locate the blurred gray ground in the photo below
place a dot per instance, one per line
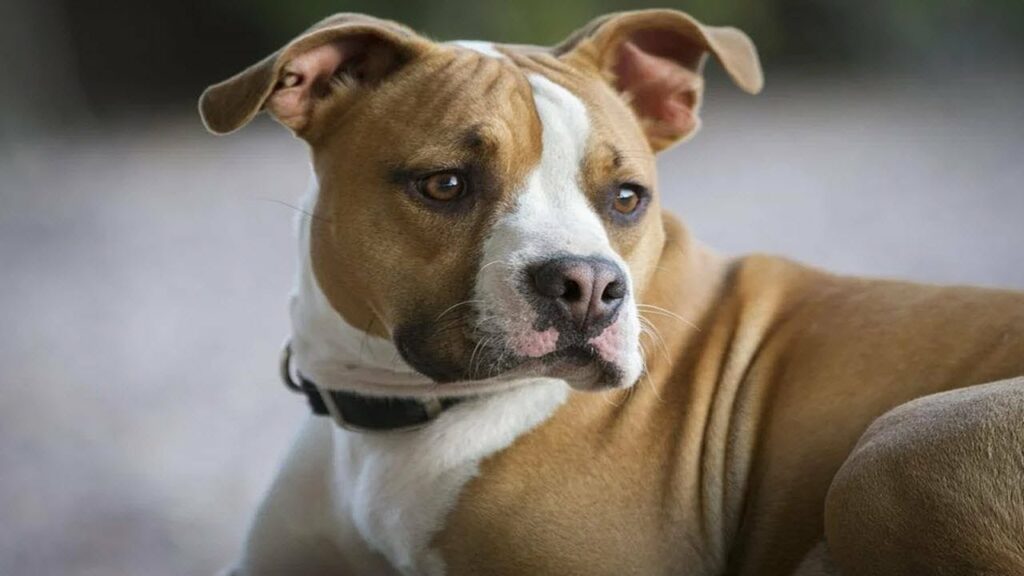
(145, 273)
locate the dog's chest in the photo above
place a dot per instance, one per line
(397, 488)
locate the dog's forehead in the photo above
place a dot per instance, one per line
(578, 102)
(531, 61)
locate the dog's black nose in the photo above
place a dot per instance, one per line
(584, 291)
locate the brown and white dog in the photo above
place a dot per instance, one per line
(484, 224)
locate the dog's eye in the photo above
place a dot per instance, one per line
(442, 187)
(627, 203)
(627, 200)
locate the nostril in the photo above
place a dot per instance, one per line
(572, 291)
(549, 281)
(615, 290)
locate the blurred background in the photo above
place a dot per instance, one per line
(146, 264)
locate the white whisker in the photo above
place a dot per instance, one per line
(650, 308)
(453, 307)
(492, 263)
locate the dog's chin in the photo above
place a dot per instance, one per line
(582, 368)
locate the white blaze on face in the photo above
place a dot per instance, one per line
(552, 217)
(485, 48)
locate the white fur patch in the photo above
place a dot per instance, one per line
(552, 216)
(485, 48)
(400, 487)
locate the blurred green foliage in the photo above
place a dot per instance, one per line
(794, 32)
(523, 21)
(177, 47)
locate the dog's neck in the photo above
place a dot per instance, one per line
(689, 278)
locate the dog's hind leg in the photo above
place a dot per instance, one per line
(935, 486)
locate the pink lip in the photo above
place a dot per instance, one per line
(534, 344)
(609, 343)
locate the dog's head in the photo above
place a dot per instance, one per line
(492, 210)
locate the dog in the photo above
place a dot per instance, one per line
(519, 364)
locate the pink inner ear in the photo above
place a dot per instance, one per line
(661, 91)
(292, 99)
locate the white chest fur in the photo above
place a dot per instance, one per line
(397, 488)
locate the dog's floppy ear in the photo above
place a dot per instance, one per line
(345, 50)
(654, 58)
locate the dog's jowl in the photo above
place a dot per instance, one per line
(519, 364)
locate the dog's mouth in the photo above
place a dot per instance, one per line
(483, 361)
(582, 367)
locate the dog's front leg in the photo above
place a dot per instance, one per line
(935, 486)
(299, 528)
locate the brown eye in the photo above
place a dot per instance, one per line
(626, 200)
(443, 186)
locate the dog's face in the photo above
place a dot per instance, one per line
(492, 210)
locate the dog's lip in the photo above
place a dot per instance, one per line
(574, 352)
(566, 363)
(578, 353)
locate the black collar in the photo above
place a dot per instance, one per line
(360, 413)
